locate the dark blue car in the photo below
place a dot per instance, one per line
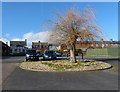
(31, 54)
(49, 55)
(58, 53)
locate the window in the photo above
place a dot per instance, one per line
(15, 49)
(106, 44)
(96, 45)
(91, 44)
(19, 50)
(102, 45)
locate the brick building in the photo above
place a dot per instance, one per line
(96, 44)
(40, 45)
(79, 45)
(91, 44)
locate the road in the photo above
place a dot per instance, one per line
(9, 64)
(15, 78)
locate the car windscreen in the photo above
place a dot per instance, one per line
(31, 51)
(49, 52)
(58, 52)
(38, 52)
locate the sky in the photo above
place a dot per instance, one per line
(27, 20)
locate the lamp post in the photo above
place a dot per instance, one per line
(83, 50)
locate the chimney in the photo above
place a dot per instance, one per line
(101, 40)
(25, 41)
(7, 43)
(111, 40)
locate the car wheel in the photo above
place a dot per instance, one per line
(54, 57)
(26, 60)
(43, 58)
(37, 59)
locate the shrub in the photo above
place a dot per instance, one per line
(91, 47)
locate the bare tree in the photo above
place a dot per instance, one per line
(74, 25)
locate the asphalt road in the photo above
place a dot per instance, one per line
(15, 78)
(9, 64)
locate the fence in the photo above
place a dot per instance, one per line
(114, 52)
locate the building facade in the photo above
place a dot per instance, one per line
(91, 44)
(40, 45)
(18, 47)
(96, 44)
(79, 45)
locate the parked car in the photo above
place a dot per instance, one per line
(58, 53)
(49, 55)
(31, 54)
(40, 54)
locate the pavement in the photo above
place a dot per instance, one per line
(15, 78)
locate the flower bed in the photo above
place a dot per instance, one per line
(64, 65)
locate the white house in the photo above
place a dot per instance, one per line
(18, 47)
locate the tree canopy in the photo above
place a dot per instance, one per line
(75, 25)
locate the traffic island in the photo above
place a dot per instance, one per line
(65, 65)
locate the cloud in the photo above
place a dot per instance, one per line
(16, 39)
(31, 37)
(34, 37)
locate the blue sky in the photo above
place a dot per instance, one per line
(22, 19)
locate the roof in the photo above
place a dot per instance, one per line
(44, 43)
(3, 44)
(35, 43)
(90, 42)
(15, 43)
(39, 43)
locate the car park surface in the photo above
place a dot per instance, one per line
(91, 80)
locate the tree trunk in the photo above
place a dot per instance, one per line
(72, 54)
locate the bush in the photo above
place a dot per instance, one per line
(78, 50)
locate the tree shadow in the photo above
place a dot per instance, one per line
(62, 58)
